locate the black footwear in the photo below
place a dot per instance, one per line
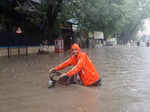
(97, 83)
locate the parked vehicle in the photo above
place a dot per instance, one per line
(111, 42)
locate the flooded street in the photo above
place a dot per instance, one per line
(125, 86)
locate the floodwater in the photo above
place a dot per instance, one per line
(125, 86)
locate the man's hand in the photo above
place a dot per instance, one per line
(62, 75)
(52, 70)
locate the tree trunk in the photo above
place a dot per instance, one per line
(54, 6)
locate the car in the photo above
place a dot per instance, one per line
(110, 43)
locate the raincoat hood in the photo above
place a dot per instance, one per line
(75, 46)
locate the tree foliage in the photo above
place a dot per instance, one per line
(121, 17)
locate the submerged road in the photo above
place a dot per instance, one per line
(125, 86)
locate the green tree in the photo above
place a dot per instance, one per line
(101, 15)
(136, 11)
(122, 17)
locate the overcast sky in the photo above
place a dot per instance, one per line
(147, 27)
(146, 30)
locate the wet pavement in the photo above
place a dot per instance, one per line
(125, 86)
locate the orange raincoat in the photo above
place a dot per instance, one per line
(82, 65)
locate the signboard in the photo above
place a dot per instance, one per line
(98, 35)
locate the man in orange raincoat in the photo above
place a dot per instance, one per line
(82, 66)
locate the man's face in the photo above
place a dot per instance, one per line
(75, 52)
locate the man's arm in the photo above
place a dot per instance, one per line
(65, 64)
(77, 68)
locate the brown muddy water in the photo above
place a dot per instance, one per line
(125, 86)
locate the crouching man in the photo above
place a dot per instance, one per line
(82, 66)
